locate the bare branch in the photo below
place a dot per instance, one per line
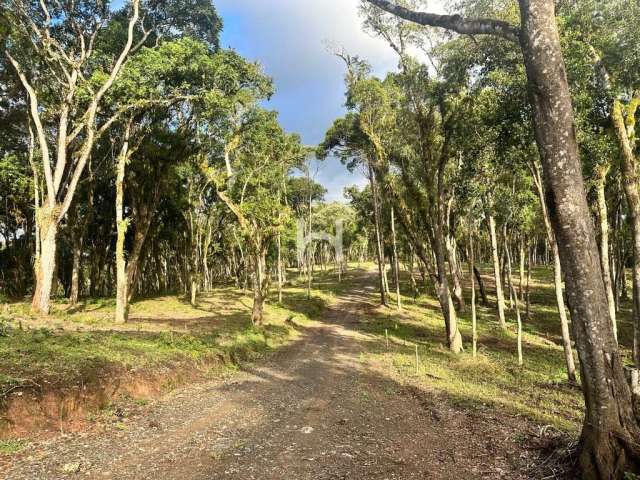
(479, 26)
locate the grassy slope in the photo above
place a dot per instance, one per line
(74, 343)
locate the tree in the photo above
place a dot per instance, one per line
(170, 85)
(610, 431)
(262, 160)
(54, 45)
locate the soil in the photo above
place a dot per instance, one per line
(314, 410)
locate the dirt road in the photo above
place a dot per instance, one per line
(314, 410)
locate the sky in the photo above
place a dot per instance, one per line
(289, 38)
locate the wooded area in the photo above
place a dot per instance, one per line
(137, 160)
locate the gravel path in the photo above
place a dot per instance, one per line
(312, 411)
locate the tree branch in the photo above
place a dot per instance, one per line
(34, 110)
(479, 26)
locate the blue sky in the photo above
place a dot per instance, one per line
(289, 38)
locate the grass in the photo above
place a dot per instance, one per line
(493, 380)
(9, 447)
(75, 344)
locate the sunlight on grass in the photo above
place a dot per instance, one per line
(9, 447)
(76, 343)
(493, 380)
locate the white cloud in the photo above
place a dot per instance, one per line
(289, 38)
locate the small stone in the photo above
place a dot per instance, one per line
(71, 467)
(306, 429)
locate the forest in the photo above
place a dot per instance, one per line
(179, 297)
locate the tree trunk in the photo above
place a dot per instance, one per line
(396, 263)
(47, 266)
(603, 223)
(379, 252)
(259, 284)
(557, 277)
(143, 216)
(122, 225)
(632, 194)
(521, 271)
(444, 293)
(412, 280)
(515, 297)
(527, 290)
(472, 268)
(280, 279)
(610, 433)
(75, 271)
(491, 222)
(483, 292)
(458, 294)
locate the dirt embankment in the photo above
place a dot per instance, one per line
(42, 409)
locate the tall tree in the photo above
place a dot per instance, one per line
(610, 431)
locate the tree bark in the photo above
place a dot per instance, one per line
(122, 225)
(557, 276)
(610, 432)
(75, 271)
(396, 262)
(516, 300)
(457, 293)
(47, 265)
(527, 289)
(472, 268)
(259, 286)
(279, 266)
(491, 223)
(632, 194)
(483, 292)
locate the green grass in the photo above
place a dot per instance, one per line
(493, 380)
(75, 344)
(9, 447)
